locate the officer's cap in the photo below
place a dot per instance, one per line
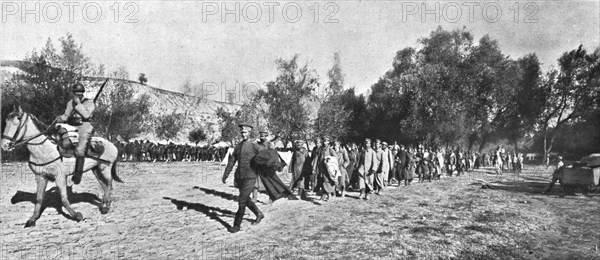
(262, 131)
(245, 126)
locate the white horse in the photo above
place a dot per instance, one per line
(47, 164)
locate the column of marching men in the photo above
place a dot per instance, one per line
(330, 168)
(146, 151)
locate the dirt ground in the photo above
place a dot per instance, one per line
(181, 211)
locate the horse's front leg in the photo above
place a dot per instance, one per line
(103, 175)
(41, 190)
(61, 183)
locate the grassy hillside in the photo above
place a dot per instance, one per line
(198, 111)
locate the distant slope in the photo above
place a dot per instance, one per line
(198, 112)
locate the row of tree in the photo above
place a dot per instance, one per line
(451, 91)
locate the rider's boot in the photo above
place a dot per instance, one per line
(79, 160)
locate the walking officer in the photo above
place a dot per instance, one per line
(244, 176)
(79, 114)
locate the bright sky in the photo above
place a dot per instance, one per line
(171, 41)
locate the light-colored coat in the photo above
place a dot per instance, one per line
(365, 168)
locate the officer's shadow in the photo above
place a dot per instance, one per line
(211, 212)
(221, 194)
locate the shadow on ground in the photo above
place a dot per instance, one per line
(214, 213)
(52, 199)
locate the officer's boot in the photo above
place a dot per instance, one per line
(257, 212)
(79, 160)
(237, 223)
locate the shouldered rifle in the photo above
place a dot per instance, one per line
(100, 91)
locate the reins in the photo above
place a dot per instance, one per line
(26, 141)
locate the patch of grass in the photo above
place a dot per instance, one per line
(452, 218)
(443, 242)
(403, 217)
(427, 230)
(480, 229)
(329, 228)
(386, 233)
(490, 216)
(497, 252)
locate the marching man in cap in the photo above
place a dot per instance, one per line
(244, 177)
(325, 182)
(263, 135)
(79, 113)
(366, 169)
(300, 168)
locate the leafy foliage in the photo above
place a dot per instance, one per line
(50, 79)
(287, 114)
(121, 113)
(453, 92)
(168, 125)
(333, 116)
(251, 113)
(571, 93)
(197, 135)
(45, 88)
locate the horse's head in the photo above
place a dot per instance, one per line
(15, 128)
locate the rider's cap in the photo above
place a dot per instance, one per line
(78, 88)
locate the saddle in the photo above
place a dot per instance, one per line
(68, 139)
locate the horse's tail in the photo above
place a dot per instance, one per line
(113, 172)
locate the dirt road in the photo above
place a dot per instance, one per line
(182, 211)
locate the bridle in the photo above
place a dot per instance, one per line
(23, 125)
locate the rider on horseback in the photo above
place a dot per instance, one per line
(79, 113)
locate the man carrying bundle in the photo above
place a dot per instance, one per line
(245, 177)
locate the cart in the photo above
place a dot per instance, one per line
(583, 175)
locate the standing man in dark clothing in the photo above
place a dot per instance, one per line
(259, 186)
(244, 177)
(300, 168)
(402, 161)
(353, 157)
(314, 156)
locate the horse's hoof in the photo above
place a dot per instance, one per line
(78, 217)
(104, 210)
(30, 223)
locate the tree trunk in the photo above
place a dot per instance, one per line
(483, 143)
(550, 148)
(109, 122)
(546, 151)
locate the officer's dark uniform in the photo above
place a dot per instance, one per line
(79, 115)
(244, 178)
